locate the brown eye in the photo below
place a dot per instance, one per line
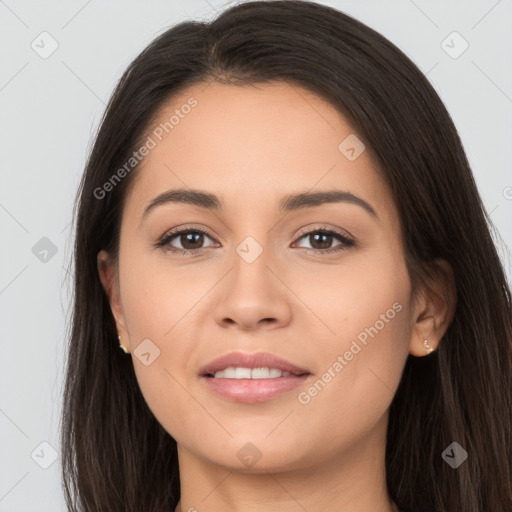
(189, 240)
(192, 241)
(321, 240)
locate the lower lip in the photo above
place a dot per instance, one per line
(251, 391)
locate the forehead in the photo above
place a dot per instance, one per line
(248, 143)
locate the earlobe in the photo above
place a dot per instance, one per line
(424, 344)
(419, 349)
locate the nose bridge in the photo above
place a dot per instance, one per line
(251, 262)
(252, 292)
(251, 249)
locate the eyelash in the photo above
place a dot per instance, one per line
(346, 242)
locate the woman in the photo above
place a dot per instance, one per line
(279, 227)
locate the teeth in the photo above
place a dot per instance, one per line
(242, 373)
(229, 373)
(247, 373)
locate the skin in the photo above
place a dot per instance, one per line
(251, 145)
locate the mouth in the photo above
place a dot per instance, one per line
(251, 378)
(232, 372)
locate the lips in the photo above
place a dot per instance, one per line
(252, 389)
(246, 360)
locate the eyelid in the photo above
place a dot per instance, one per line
(321, 227)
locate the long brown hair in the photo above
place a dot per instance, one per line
(116, 456)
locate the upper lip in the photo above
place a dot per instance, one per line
(248, 360)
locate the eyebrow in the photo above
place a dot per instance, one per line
(288, 203)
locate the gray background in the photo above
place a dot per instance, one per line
(49, 110)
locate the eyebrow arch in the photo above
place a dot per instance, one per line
(294, 202)
(288, 203)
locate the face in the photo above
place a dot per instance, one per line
(319, 283)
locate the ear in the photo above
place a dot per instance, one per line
(108, 273)
(434, 308)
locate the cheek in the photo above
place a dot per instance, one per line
(364, 297)
(161, 306)
(360, 357)
(155, 295)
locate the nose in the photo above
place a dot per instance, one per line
(253, 296)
